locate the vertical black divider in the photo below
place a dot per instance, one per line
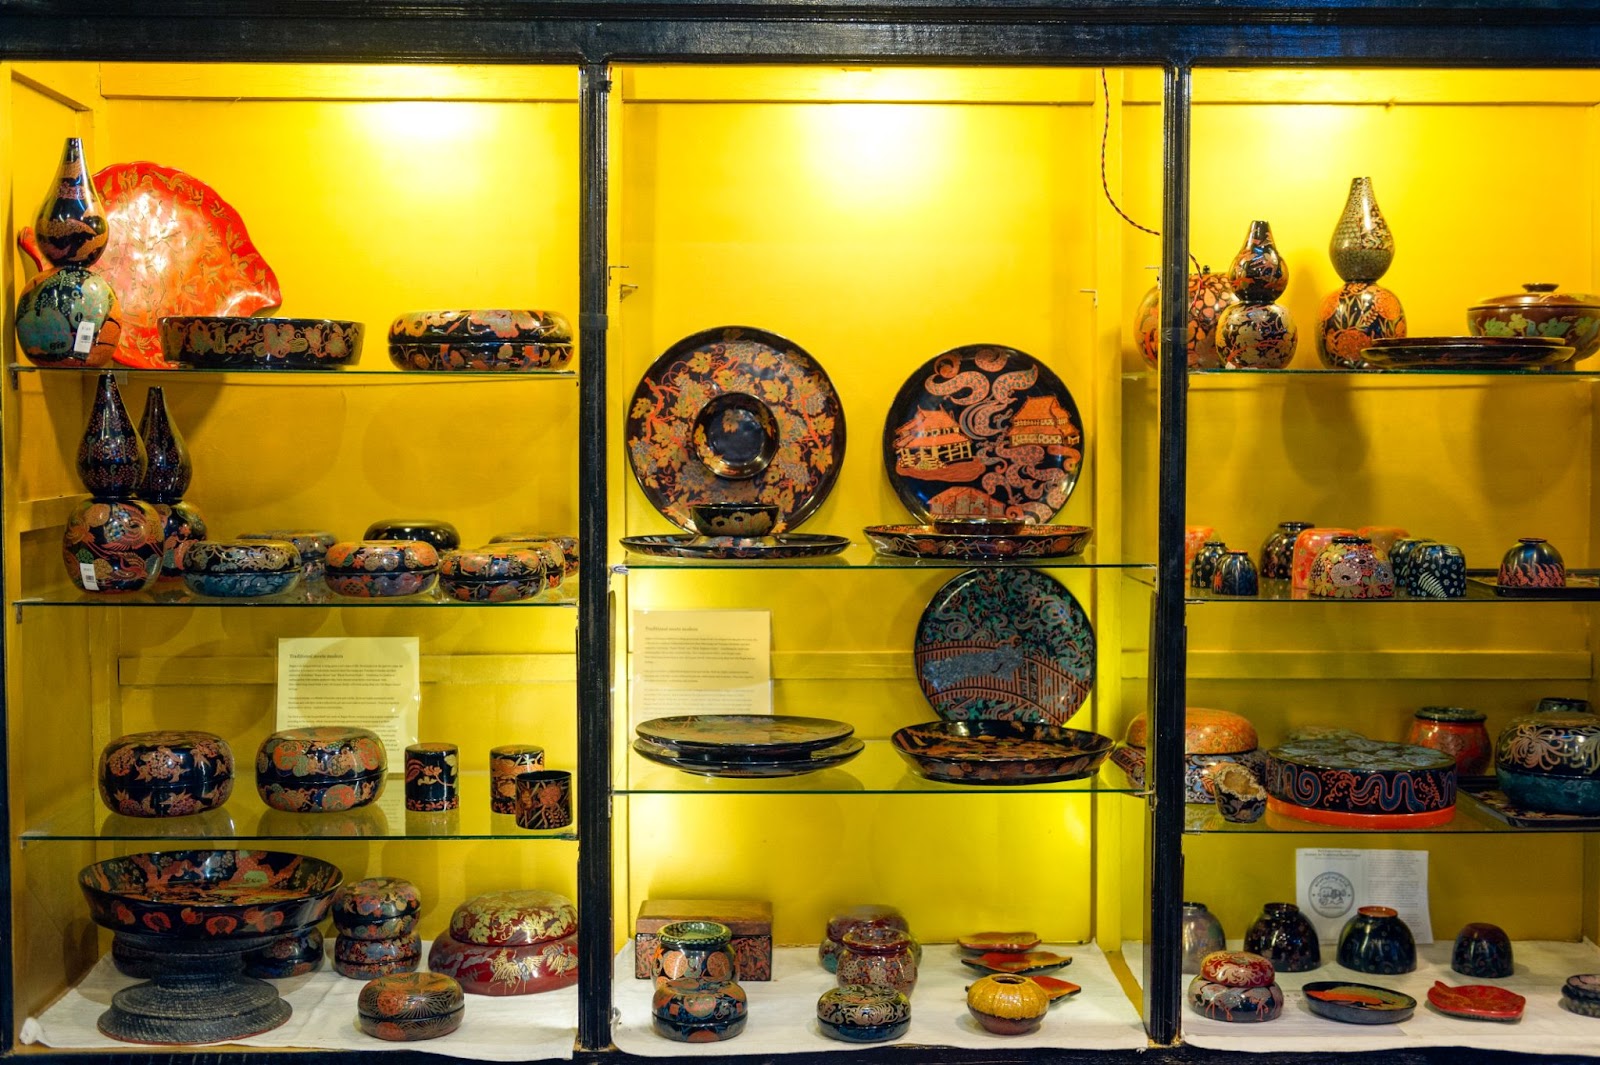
(594, 598)
(1163, 979)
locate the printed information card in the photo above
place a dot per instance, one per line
(371, 682)
(701, 662)
(1332, 884)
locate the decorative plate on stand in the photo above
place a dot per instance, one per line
(739, 415)
(176, 247)
(1005, 645)
(983, 431)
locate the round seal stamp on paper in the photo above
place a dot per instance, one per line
(1332, 894)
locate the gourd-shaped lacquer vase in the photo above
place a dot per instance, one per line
(113, 542)
(1209, 295)
(1361, 310)
(166, 479)
(1256, 333)
(67, 316)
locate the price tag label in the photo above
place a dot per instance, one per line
(86, 571)
(85, 339)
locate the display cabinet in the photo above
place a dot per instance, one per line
(877, 184)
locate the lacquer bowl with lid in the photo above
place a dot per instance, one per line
(320, 770)
(510, 943)
(165, 773)
(1550, 762)
(233, 569)
(406, 1007)
(498, 573)
(1211, 738)
(379, 907)
(566, 545)
(381, 569)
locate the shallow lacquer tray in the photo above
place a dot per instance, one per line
(1493, 801)
(749, 769)
(770, 736)
(1056, 989)
(1582, 584)
(1465, 353)
(1482, 1002)
(787, 546)
(1355, 1003)
(1000, 752)
(1026, 542)
(1027, 963)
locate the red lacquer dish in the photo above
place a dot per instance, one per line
(176, 248)
(1483, 1002)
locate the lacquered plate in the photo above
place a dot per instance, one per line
(1353, 1003)
(780, 735)
(735, 414)
(1027, 963)
(723, 548)
(176, 248)
(1056, 989)
(983, 431)
(811, 762)
(1005, 645)
(1465, 353)
(1001, 753)
(1481, 1002)
(1027, 542)
(1003, 942)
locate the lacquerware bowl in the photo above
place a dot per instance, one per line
(311, 544)
(1551, 762)
(209, 894)
(698, 1011)
(1540, 311)
(498, 356)
(292, 955)
(481, 325)
(165, 774)
(746, 521)
(1006, 1004)
(870, 915)
(567, 545)
(230, 343)
(407, 1007)
(371, 569)
(1483, 951)
(863, 1013)
(1000, 752)
(499, 573)
(1377, 941)
(441, 534)
(506, 968)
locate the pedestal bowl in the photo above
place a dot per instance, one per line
(198, 912)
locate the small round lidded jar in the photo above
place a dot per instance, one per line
(165, 774)
(1458, 732)
(855, 917)
(878, 955)
(498, 573)
(697, 950)
(372, 569)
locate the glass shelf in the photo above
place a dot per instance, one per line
(177, 595)
(1280, 592)
(877, 770)
(245, 816)
(861, 556)
(235, 375)
(1471, 819)
(1212, 378)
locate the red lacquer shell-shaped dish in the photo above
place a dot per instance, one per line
(1483, 1002)
(176, 248)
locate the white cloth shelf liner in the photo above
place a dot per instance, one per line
(783, 1011)
(511, 1028)
(1546, 1026)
